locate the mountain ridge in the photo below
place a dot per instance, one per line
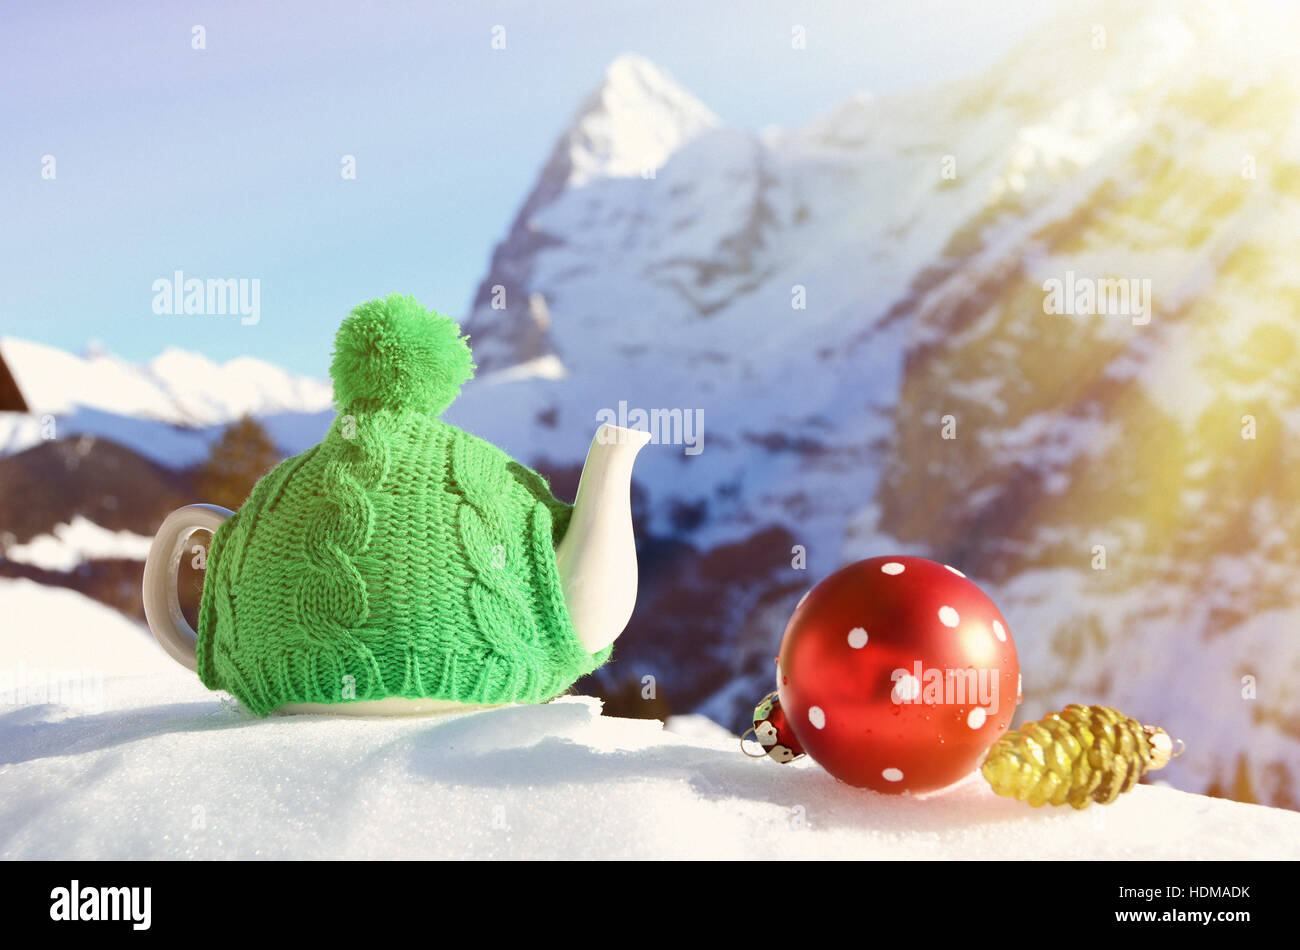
(1099, 481)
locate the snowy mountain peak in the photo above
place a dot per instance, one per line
(173, 361)
(103, 394)
(632, 122)
(628, 128)
(177, 386)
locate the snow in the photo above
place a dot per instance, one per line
(636, 119)
(177, 386)
(57, 628)
(68, 545)
(168, 409)
(171, 770)
(209, 393)
(165, 768)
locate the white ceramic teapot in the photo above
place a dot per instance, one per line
(403, 565)
(596, 560)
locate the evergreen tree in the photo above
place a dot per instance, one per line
(242, 455)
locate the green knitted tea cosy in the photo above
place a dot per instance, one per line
(401, 556)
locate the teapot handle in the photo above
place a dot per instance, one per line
(162, 607)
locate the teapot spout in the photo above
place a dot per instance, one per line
(597, 556)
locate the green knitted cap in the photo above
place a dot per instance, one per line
(400, 557)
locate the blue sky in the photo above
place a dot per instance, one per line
(225, 162)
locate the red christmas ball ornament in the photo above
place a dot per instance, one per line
(897, 674)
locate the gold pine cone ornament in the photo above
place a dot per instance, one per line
(1077, 756)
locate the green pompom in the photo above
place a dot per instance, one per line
(394, 354)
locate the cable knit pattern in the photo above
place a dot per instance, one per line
(400, 557)
(497, 603)
(331, 596)
(436, 580)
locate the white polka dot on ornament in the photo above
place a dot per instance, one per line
(817, 716)
(954, 570)
(907, 688)
(893, 567)
(976, 718)
(948, 617)
(999, 631)
(892, 775)
(857, 638)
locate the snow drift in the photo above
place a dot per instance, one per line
(165, 769)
